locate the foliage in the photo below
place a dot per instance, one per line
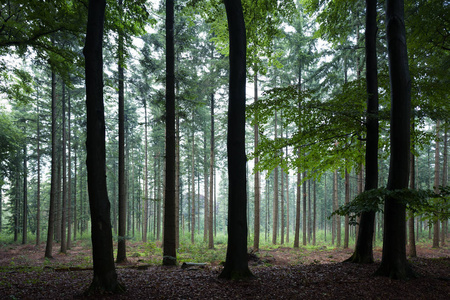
(432, 206)
(327, 133)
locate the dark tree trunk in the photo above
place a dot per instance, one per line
(105, 277)
(63, 248)
(38, 197)
(393, 261)
(346, 201)
(69, 177)
(412, 185)
(170, 254)
(364, 243)
(25, 197)
(304, 209)
(121, 244)
(53, 177)
(436, 183)
(211, 180)
(236, 263)
(257, 220)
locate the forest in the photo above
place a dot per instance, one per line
(274, 145)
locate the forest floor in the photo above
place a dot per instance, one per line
(280, 273)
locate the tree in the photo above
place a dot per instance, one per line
(53, 176)
(170, 254)
(105, 276)
(236, 263)
(121, 243)
(393, 261)
(363, 249)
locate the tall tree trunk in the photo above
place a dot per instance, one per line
(365, 231)
(25, 196)
(236, 263)
(297, 212)
(211, 180)
(38, 196)
(393, 261)
(205, 186)
(121, 243)
(309, 227)
(314, 214)
(69, 177)
(436, 183)
(53, 176)
(257, 204)
(412, 185)
(75, 215)
(64, 176)
(145, 203)
(275, 196)
(193, 188)
(346, 201)
(105, 276)
(169, 251)
(444, 181)
(304, 209)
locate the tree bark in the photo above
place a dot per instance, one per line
(364, 242)
(436, 184)
(211, 180)
(169, 251)
(257, 218)
(297, 212)
(412, 185)
(121, 243)
(53, 178)
(236, 263)
(64, 176)
(275, 196)
(105, 277)
(393, 261)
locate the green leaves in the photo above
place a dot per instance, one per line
(432, 206)
(322, 134)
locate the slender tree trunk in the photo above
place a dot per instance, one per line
(393, 261)
(275, 197)
(412, 185)
(25, 197)
(211, 180)
(105, 276)
(38, 197)
(69, 179)
(436, 183)
(257, 220)
(297, 212)
(304, 209)
(193, 189)
(169, 249)
(53, 176)
(309, 225)
(314, 214)
(444, 181)
(75, 215)
(236, 263)
(64, 176)
(121, 243)
(145, 203)
(346, 201)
